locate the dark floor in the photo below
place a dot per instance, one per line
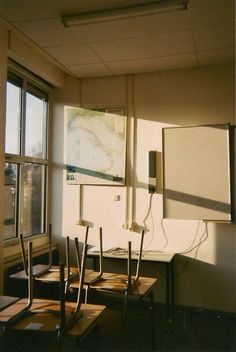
(188, 330)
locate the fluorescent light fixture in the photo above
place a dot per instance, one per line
(77, 18)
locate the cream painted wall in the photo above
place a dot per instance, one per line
(60, 209)
(203, 278)
(3, 73)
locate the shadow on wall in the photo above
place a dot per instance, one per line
(211, 286)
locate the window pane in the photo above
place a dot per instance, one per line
(13, 109)
(34, 196)
(10, 200)
(35, 127)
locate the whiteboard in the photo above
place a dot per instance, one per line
(196, 173)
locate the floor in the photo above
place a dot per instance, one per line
(188, 330)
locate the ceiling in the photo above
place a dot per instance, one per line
(201, 35)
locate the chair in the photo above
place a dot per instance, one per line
(40, 268)
(50, 273)
(58, 308)
(119, 283)
(93, 276)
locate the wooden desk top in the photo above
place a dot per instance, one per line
(53, 275)
(152, 256)
(115, 282)
(46, 322)
(6, 301)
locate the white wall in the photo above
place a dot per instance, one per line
(154, 100)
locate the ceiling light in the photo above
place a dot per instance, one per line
(110, 14)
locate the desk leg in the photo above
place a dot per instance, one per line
(170, 289)
(172, 286)
(94, 263)
(125, 308)
(151, 309)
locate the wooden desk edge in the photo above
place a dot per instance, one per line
(79, 328)
(161, 257)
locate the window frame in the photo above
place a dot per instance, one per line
(29, 83)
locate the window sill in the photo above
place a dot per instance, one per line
(12, 251)
(16, 241)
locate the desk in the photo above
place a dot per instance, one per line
(53, 275)
(114, 284)
(6, 301)
(150, 256)
(46, 323)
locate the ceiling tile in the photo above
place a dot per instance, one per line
(218, 56)
(49, 32)
(215, 37)
(152, 64)
(91, 70)
(73, 54)
(144, 47)
(212, 12)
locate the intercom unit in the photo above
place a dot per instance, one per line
(152, 181)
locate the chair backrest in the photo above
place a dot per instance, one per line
(77, 252)
(85, 242)
(28, 268)
(129, 273)
(140, 255)
(62, 322)
(129, 281)
(65, 322)
(30, 275)
(100, 252)
(68, 259)
(50, 246)
(81, 280)
(23, 254)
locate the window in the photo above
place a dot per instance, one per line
(10, 200)
(26, 159)
(13, 111)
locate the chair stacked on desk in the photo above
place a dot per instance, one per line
(120, 283)
(78, 278)
(9, 317)
(50, 273)
(126, 285)
(114, 282)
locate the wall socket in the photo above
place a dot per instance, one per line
(116, 198)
